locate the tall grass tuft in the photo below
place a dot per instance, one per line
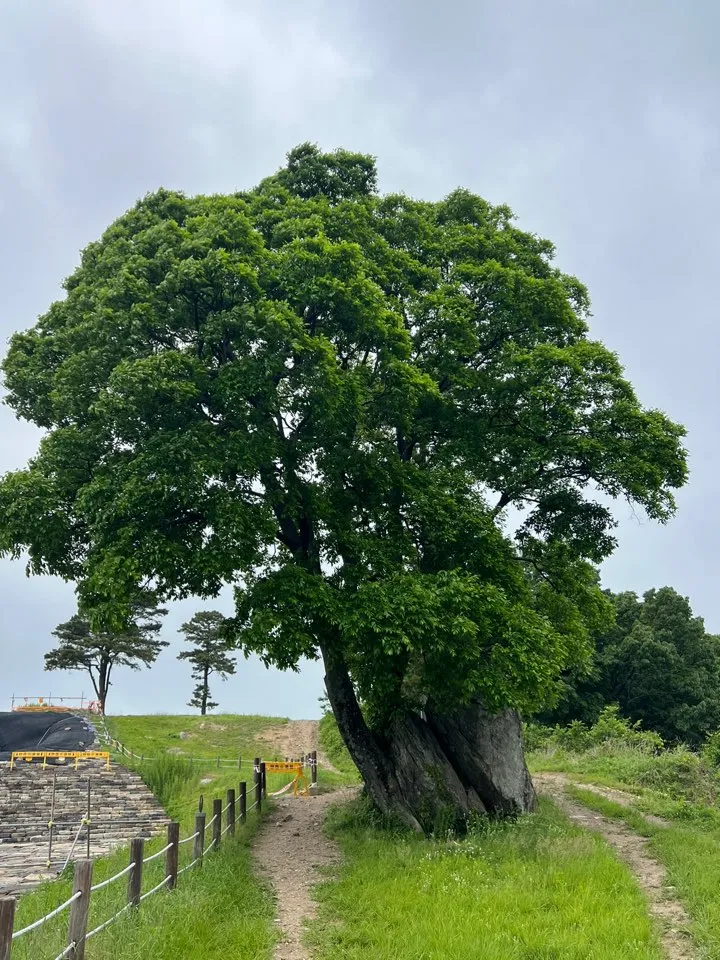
(167, 776)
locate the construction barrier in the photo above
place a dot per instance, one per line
(299, 783)
(45, 755)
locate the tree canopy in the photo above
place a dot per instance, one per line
(328, 397)
(97, 652)
(657, 662)
(208, 655)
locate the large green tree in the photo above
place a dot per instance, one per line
(328, 397)
(208, 655)
(132, 644)
(657, 662)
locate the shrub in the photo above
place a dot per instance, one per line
(710, 751)
(611, 727)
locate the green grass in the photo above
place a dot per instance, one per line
(335, 750)
(690, 851)
(536, 889)
(227, 736)
(219, 911)
(677, 773)
(216, 912)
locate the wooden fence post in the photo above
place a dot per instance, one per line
(217, 823)
(87, 819)
(7, 920)
(199, 844)
(77, 927)
(231, 812)
(257, 781)
(137, 851)
(313, 767)
(243, 801)
(263, 777)
(171, 857)
(240, 763)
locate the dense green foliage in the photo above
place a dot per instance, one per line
(208, 655)
(333, 395)
(97, 652)
(657, 663)
(537, 888)
(616, 752)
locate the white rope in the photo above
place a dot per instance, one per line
(188, 839)
(68, 949)
(127, 752)
(48, 916)
(154, 889)
(107, 923)
(228, 827)
(284, 789)
(106, 883)
(211, 822)
(154, 856)
(251, 808)
(197, 860)
(209, 847)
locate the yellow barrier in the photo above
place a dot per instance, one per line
(77, 755)
(278, 766)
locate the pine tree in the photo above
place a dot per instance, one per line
(208, 655)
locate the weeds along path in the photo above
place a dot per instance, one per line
(669, 913)
(288, 850)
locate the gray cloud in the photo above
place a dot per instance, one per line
(598, 124)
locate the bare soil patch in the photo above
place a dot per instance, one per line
(294, 738)
(289, 849)
(670, 915)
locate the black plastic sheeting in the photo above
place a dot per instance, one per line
(43, 730)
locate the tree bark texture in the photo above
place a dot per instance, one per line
(433, 772)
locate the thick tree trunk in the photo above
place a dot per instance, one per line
(488, 753)
(436, 771)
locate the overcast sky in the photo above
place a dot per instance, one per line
(597, 121)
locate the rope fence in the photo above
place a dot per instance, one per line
(234, 811)
(78, 905)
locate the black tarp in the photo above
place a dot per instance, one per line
(43, 730)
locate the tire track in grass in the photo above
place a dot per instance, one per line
(670, 915)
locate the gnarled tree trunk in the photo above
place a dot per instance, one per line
(429, 770)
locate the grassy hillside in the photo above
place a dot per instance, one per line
(225, 735)
(335, 750)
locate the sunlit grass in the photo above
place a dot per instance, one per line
(534, 889)
(690, 851)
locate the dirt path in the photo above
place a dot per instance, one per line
(617, 796)
(289, 848)
(294, 738)
(670, 915)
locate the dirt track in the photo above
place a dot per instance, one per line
(288, 851)
(670, 915)
(294, 738)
